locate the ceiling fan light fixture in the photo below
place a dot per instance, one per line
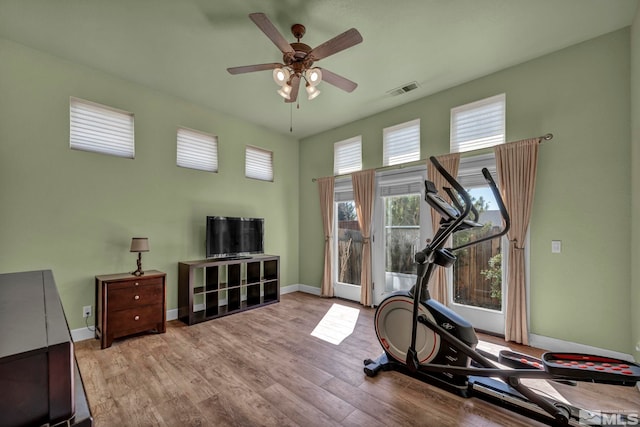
(313, 76)
(285, 91)
(312, 91)
(281, 76)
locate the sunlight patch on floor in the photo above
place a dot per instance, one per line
(337, 324)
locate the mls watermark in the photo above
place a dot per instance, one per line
(609, 418)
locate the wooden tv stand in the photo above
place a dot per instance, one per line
(211, 288)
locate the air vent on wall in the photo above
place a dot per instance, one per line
(403, 89)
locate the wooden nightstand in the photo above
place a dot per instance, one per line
(128, 304)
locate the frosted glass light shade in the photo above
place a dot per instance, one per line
(281, 76)
(313, 76)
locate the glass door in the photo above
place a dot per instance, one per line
(400, 215)
(347, 250)
(476, 291)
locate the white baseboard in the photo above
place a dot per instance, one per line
(554, 344)
(85, 333)
(300, 288)
(82, 334)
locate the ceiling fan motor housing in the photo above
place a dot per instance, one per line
(300, 59)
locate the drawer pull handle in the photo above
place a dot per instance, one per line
(137, 283)
(137, 297)
(136, 318)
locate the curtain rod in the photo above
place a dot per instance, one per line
(545, 137)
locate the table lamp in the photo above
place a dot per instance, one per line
(139, 244)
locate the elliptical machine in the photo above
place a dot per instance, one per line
(426, 340)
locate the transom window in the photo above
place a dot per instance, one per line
(258, 163)
(197, 150)
(347, 156)
(479, 124)
(100, 129)
(401, 143)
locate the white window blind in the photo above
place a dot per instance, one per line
(197, 150)
(470, 170)
(343, 190)
(101, 129)
(258, 163)
(347, 156)
(477, 125)
(401, 143)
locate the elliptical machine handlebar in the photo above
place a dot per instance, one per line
(454, 219)
(503, 212)
(443, 234)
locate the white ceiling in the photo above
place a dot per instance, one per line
(183, 47)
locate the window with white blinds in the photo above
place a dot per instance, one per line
(477, 125)
(347, 156)
(258, 163)
(197, 150)
(401, 143)
(100, 129)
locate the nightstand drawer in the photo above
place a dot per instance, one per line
(135, 283)
(134, 296)
(125, 322)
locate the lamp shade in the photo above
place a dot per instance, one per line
(139, 244)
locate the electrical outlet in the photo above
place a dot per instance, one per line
(86, 311)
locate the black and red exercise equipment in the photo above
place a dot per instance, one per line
(426, 340)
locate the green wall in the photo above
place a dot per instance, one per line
(635, 184)
(581, 95)
(75, 212)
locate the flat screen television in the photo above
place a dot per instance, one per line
(232, 237)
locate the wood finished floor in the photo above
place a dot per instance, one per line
(263, 368)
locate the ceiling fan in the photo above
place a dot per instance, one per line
(298, 59)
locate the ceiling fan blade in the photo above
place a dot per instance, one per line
(338, 81)
(261, 20)
(295, 86)
(339, 43)
(252, 68)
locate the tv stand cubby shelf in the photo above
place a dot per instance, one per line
(211, 288)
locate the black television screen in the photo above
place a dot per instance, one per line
(231, 237)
